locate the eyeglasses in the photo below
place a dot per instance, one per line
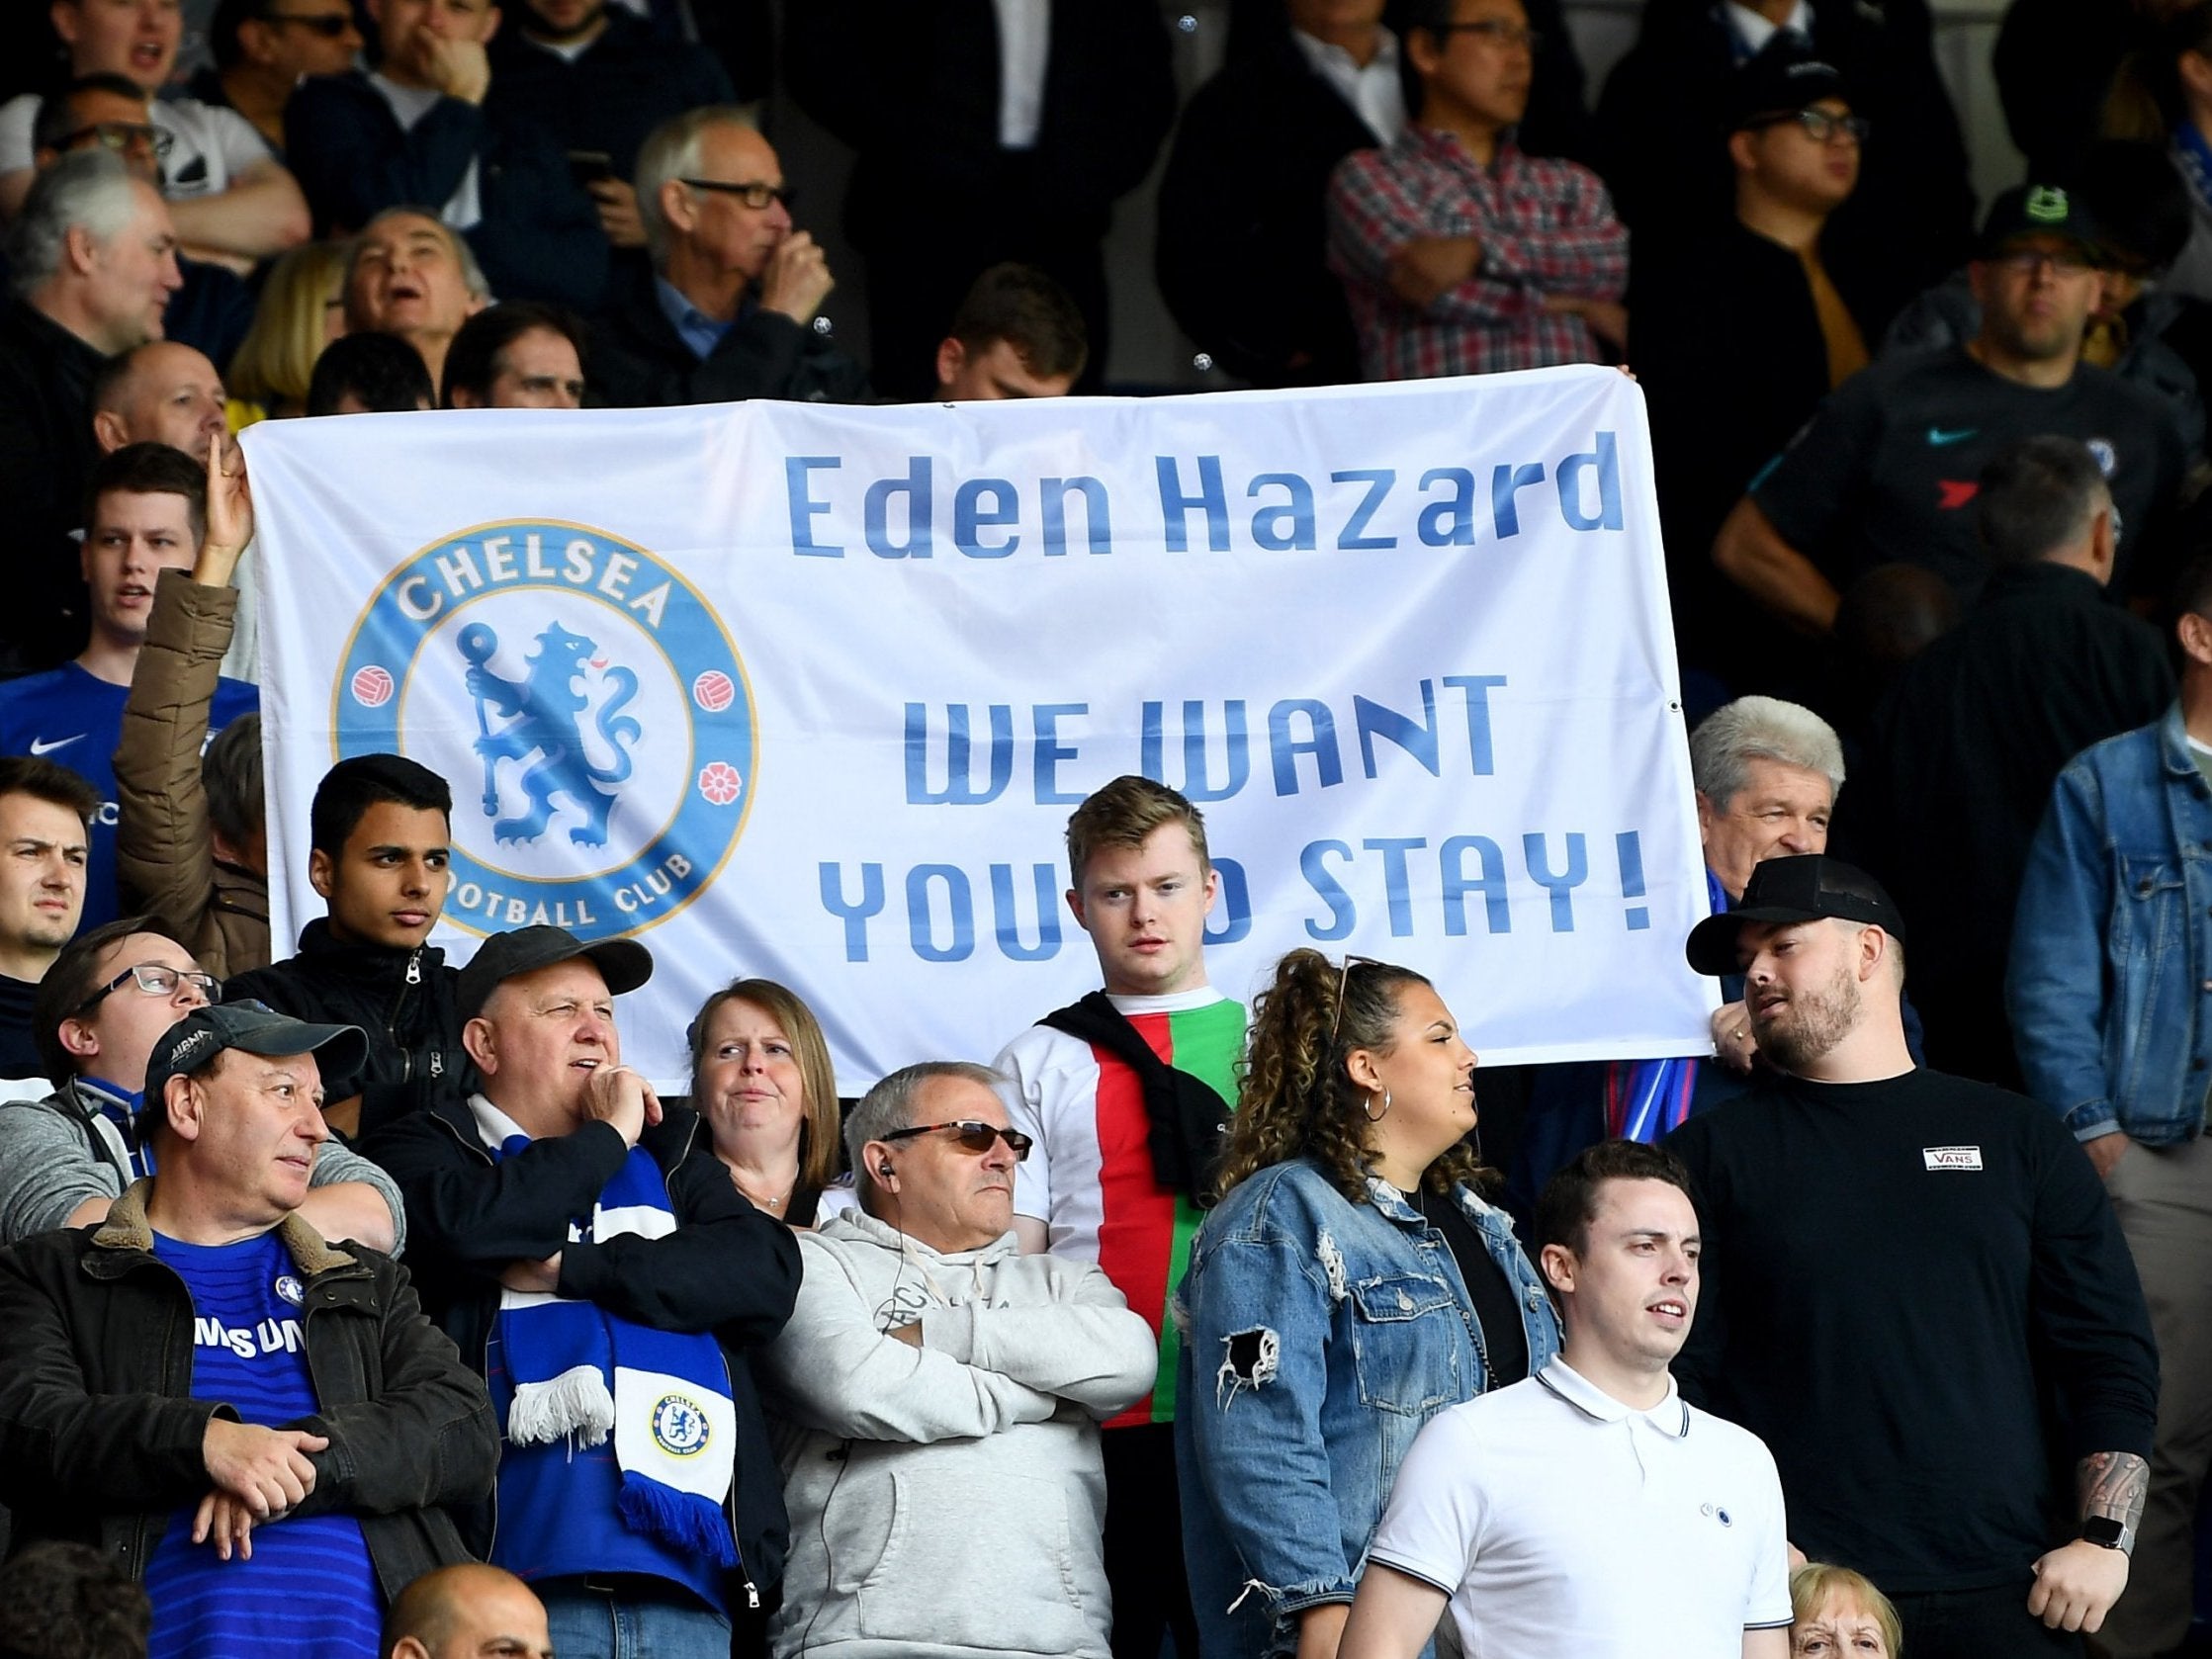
(1344, 978)
(155, 980)
(1820, 125)
(2025, 262)
(120, 135)
(755, 194)
(1496, 31)
(973, 1134)
(330, 25)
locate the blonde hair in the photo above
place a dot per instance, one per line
(275, 359)
(1816, 1583)
(810, 1051)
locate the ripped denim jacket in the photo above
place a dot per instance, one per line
(1321, 1334)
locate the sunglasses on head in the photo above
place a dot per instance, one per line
(973, 1134)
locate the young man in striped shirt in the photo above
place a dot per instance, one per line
(1123, 1093)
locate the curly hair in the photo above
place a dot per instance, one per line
(1295, 1098)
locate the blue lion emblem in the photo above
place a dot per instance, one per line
(545, 734)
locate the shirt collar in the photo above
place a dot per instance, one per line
(693, 326)
(1324, 56)
(1753, 30)
(493, 1127)
(1670, 1417)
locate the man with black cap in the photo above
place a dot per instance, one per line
(1888, 468)
(1738, 331)
(257, 1423)
(588, 1257)
(1900, 1267)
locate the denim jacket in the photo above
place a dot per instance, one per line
(1320, 1336)
(2111, 951)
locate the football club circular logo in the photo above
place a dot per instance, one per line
(679, 1426)
(289, 1288)
(586, 705)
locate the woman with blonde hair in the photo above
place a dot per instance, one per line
(762, 1081)
(1351, 1285)
(1838, 1613)
(302, 311)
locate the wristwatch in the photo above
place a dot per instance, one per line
(2108, 1534)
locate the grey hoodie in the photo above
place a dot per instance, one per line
(946, 1500)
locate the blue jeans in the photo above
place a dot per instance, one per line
(593, 1624)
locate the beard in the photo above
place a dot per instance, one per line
(1811, 1023)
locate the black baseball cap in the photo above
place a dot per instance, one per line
(256, 1028)
(1786, 76)
(624, 964)
(1807, 887)
(2040, 210)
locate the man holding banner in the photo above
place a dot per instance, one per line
(1125, 1093)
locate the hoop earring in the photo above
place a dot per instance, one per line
(1366, 1105)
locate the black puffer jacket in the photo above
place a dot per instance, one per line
(407, 1001)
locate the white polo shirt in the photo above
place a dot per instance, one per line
(1561, 1521)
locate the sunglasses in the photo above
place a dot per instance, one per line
(973, 1134)
(1344, 978)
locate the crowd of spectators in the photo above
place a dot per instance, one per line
(362, 1306)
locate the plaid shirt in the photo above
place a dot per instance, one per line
(1544, 226)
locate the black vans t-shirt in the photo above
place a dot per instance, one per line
(1888, 468)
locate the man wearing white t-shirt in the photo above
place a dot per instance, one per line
(1589, 1510)
(233, 200)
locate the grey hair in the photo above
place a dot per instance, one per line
(1750, 729)
(472, 273)
(889, 1106)
(672, 151)
(88, 190)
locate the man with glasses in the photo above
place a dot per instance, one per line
(730, 313)
(148, 514)
(107, 1002)
(232, 199)
(264, 48)
(419, 131)
(608, 1278)
(1459, 254)
(1738, 333)
(946, 1390)
(1888, 467)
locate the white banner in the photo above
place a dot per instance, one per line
(810, 692)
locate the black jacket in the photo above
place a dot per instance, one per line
(47, 452)
(638, 361)
(727, 1268)
(407, 1001)
(100, 1439)
(1724, 339)
(1243, 230)
(539, 237)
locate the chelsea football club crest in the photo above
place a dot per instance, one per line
(587, 707)
(679, 1426)
(289, 1288)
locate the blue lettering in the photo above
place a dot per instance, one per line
(1505, 517)
(1045, 882)
(960, 902)
(1176, 506)
(1477, 688)
(1051, 751)
(1328, 765)
(1379, 480)
(1096, 525)
(1606, 460)
(1196, 784)
(970, 516)
(1342, 914)
(854, 913)
(1560, 885)
(1395, 891)
(1290, 527)
(1374, 721)
(1451, 856)
(805, 510)
(918, 488)
(1236, 904)
(959, 785)
(1448, 523)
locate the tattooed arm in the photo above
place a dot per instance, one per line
(2076, 1584)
